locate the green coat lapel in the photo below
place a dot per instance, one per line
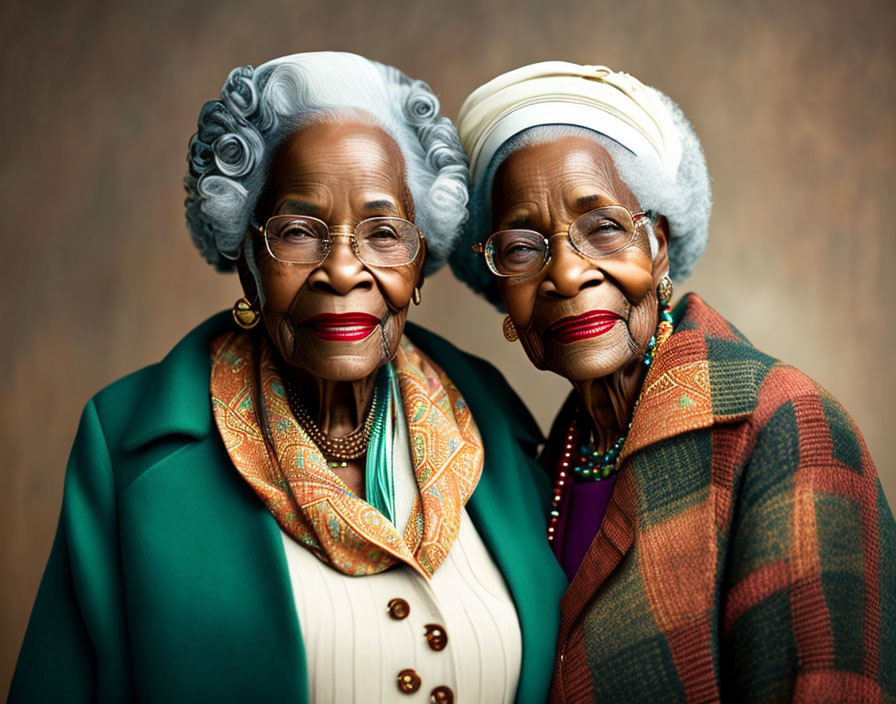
(209, 594)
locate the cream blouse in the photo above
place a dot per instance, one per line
(396, 637)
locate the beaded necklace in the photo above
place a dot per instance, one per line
(592, 465)
(373, 438)
(337, 451)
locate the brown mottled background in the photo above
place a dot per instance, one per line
(794, 103)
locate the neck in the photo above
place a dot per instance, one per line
(338, 407)
(610, 402)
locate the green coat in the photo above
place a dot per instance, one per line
(167, 580)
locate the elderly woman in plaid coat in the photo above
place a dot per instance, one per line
(716, 511)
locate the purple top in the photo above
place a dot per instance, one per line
(581, 512)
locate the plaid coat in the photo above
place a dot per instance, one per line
(748, 552)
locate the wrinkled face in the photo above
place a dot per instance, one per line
(338, 319)
(579, 318)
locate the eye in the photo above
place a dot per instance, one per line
(383, 232)
(519, 250)
(296, 231)
(605, 226)
(293, 231)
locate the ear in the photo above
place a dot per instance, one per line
(422, 256)
(661, 260)
(247, 281)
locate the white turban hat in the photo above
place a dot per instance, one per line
(653, 146)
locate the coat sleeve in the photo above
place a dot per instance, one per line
(808, 613)
(75, 646)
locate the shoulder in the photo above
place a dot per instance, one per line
(741, 377)
(801, 428)
(787, 419)
(795, 433)
(483, 387)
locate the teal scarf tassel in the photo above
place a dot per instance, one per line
(378, 480)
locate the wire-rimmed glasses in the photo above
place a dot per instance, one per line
(379, 241)
(598, 233)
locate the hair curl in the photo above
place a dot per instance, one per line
(239, 133)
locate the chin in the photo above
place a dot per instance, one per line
(575, 370)
(337, 361)
(345, 368)
(589, 359)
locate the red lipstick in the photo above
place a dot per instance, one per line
(580, 327)
(342, 327)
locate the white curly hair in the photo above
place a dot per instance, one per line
(238, 135)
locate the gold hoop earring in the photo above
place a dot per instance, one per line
(664, 290)
(416, 297)
(245, 314)
(510, 333)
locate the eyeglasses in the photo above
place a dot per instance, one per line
(596, 234)
(380, 241)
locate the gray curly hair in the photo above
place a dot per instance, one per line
(237, 136)
(685, 200)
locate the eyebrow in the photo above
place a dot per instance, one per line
(518, 221)
(373, 205)
(297, 207)
(588, 200)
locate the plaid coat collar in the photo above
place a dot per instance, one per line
(704, 375)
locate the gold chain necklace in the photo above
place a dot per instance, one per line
(337, 450)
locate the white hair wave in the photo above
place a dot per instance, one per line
(237, 135)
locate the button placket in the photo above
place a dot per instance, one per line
(426, 609)
(408, 680)
(436, 636)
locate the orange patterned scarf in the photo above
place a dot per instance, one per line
(290, 475)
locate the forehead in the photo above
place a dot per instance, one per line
(347, 150)
(568, 167)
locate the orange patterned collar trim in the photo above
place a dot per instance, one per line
(680, 394)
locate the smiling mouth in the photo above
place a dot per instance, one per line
(580, 327)
(342, 327)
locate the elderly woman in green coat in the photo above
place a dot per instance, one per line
(716, 511)
(307, 499)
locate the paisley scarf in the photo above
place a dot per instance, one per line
(274, 454)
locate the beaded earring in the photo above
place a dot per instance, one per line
(664, 290)
(245, 314)
(510, 333)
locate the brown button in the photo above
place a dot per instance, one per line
(436, 637)
(408, 681)
(399, 609)
(441, 695)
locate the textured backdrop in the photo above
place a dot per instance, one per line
(794, 104)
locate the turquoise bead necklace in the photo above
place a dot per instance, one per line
(594, 465)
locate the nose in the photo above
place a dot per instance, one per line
(341, 271)
(568, 272)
